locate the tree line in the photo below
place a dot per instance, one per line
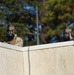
(54, 16)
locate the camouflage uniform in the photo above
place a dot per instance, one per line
(16, 41)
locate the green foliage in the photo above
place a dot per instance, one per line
(57, 15)
(3, 33)
(9, 2)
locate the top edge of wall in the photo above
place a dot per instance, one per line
(36, 47)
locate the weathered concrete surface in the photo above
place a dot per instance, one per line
(48, 59)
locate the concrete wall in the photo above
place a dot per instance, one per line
(48, 59)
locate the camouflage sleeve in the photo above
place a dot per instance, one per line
(19, 42)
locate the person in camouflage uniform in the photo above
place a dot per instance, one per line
(69, 31)
(12, 37)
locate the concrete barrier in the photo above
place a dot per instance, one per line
(47, 59)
